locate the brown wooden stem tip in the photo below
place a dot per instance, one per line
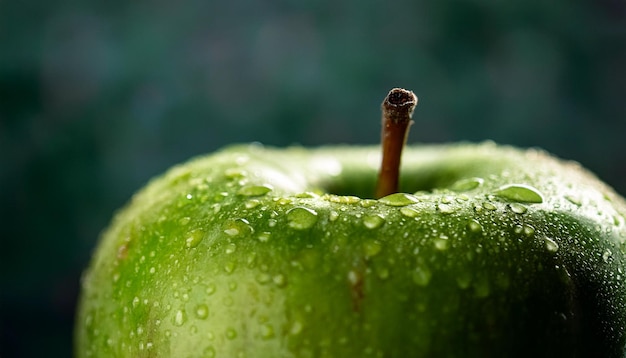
(397, 111)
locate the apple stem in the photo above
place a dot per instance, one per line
(397, 110)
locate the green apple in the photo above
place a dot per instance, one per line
(485, 251)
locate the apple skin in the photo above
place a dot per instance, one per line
(263, 252)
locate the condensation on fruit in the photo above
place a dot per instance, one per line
(399, 199)
(521, 193)
(301, 218)
(373, 221)
(467, 184)
(238, 227)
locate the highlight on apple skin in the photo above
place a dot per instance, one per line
(485, 251)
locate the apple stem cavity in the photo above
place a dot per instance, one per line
(397, 111)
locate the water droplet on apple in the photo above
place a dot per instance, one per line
(238, 227)
(367, 203)
(202, 311)
(255, 190)
(373, 221)
(210, 289)
(279, 280)
(296, 328)
(301, 218)
(209, 352)
(422, 276)
(489, 206)
(520, 193)
(231, 333)
(230, 248)
(574, 200)
(529, 230)
(252, 203)
(264, 236)
(441, 243)
(234, 173)
(229, 267)
(194, 237)
(333, 216)
(474, 226)
(263, 278)
(399, 199)
(267, 331)
(445, 208)
(371, 248)
(467, 184)
(409, 212)
(184, 220)
(551, 245)
(607, 255)
(518, 208)
(180, 317)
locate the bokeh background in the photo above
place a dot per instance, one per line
(96, 97)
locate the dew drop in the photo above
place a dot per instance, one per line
(210, 289)
(607, 255)
(574, 200)
(263, 278)
(518, 208)
(489, 206)
(307, 195)
(333, 216)
(422, 276)
(184, 220)
(467, 184)
(255, 190)
(551, 245)
(279, 280)
(234, 173)
(230, 248)
(229, 267)
(399, 199)
(367, 203)
(373, 221)
(445, 208)
(296, 328)
(252, 203)
(264, 236)
(301, 218)
(344, 199)
(209, 352)
(474, 226)
(267, 331)
(202, 311)
(194, 237)
(238, 227)
(528, 230)
(180, 317)
(371, 248)
(441, 243)
(520, 193)
(409, 212)
(231, 333)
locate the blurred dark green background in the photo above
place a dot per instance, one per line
(97, 97)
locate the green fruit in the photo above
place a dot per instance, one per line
(488, 251)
